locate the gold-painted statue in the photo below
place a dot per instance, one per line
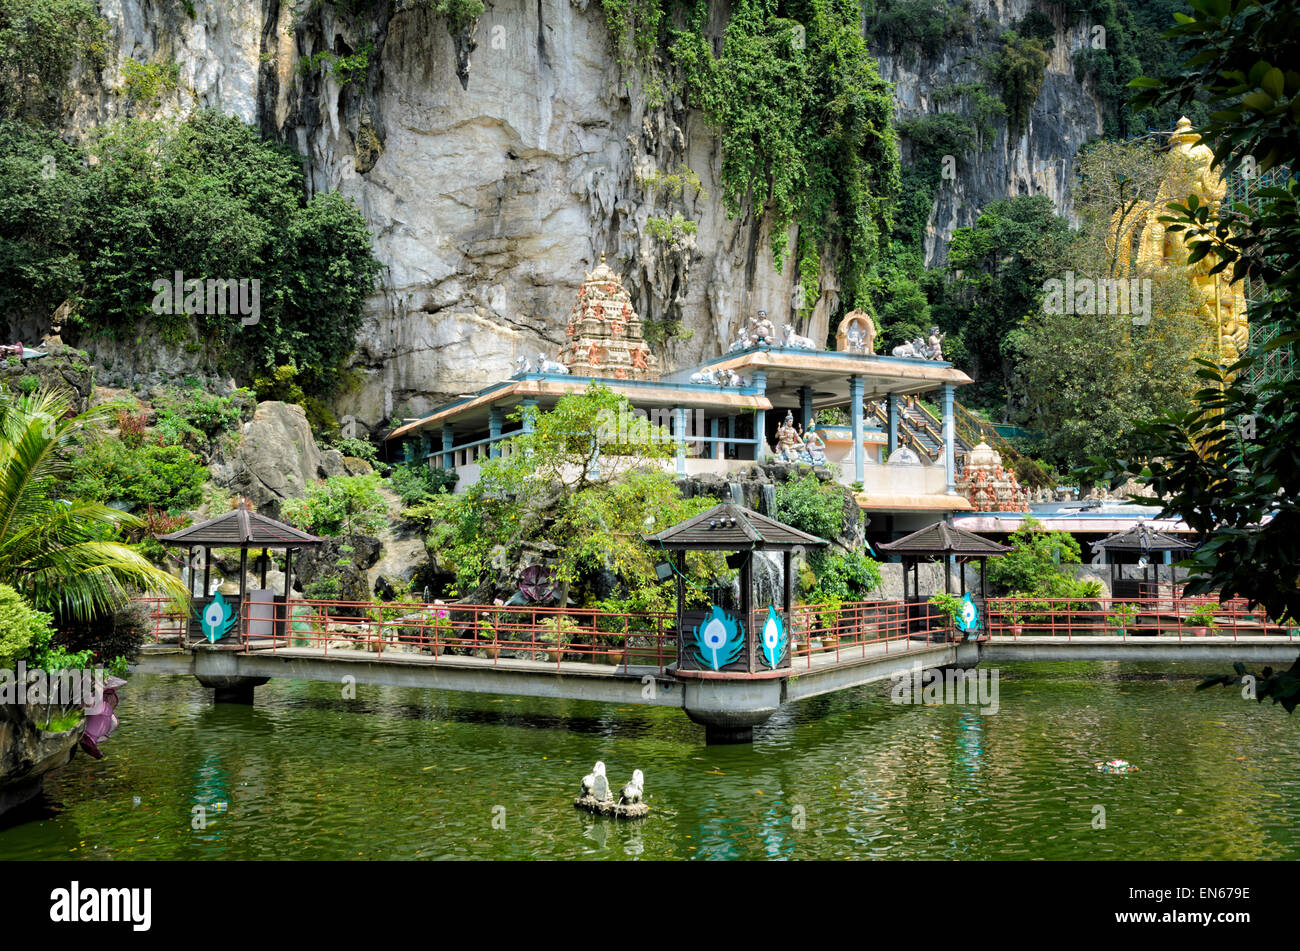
(1222, 304)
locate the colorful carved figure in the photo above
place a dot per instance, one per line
(606, 334)
(762, 330)
(789, 445)
(856, 334)
(816, 448)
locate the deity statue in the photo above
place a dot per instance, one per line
(1223, 304)
(816, 448)
(789, 445)
(762, 330)
(935, 351)
(857, 333)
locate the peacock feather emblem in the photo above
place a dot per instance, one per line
(774, 639)
(968, 615)
(218, 617)
(719, 639)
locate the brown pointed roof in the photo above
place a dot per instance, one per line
(1141, 537)
(731, 527)
(240, 528)
(944, 539)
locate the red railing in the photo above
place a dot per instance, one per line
(1129, 617)
(166, 621)
(853, 629)
(492, 632)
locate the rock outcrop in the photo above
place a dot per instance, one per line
(276, 459)
(496, 162)
(27, 753)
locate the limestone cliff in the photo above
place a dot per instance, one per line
(497, 164)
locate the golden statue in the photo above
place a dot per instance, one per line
(1222, 304)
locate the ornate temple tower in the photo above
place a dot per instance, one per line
(604, 332)
(988, 486)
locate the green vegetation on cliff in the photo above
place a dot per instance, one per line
(98, 225)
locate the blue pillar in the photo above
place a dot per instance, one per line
(892, 402)
(679, 438)
(426, 448)
(731, 434)
(805, 406)
(949, 440)
(528, 423)
(448, 437)
(760, 416)
(495, 422)
(855, 411)
(714, 447)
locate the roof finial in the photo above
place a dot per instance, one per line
(602, 257)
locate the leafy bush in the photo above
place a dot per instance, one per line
(340, 505)
(843, 577)
(169, 478)
(112, 639)
(416, 483)
(1033, 564)
(208, 198)
(810, 505)
(21, 626)
(194, 418)
(358, 449)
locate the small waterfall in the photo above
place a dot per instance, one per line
(737, 496)
(769, 499)
(769, 578)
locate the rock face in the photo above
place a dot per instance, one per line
(276, 459)
(497, 165)
(27, 753)
(347, 559)
(64, 369)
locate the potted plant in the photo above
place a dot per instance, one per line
(1202, 620)
(949, 608)
(488, 633)
(1121, 617)
(556, 635)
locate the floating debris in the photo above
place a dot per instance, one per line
(1116, 766)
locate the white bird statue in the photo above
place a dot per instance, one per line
(633, 790)
(589, 781)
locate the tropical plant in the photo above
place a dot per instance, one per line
(20, 626)
(64, 556)
(340, 505)
(1121, 616)
(949, 607)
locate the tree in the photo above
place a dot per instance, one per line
(62, 555)
(1230, 466)
(996, 273)
(1086, 381)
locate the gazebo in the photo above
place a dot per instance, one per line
(714, 640)
(1142, 540)
(243, 529)
(944, 541)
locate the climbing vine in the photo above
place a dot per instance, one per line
(801, 111)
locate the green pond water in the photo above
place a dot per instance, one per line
(407, 774)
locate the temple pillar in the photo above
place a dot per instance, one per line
(528, 423)
(892, 403)
(426, 448)
(714, 447)
(855, 412)
(760, 417)
(949, 438)
(805, 407)
(679, 438)
(448, 438)
(731, 434)
(495, 421)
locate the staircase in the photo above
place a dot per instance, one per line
(921, 432)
